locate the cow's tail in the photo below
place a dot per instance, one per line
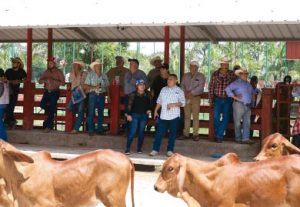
(132, 183)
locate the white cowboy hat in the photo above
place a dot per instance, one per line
(224, 60)
(240, 71)
(96, 62)
(195, 63)
(155, 59)
(79, 62)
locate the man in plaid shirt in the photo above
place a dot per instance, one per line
(296, 130)
(221, 104)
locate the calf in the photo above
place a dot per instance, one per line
(39, 181)
(276, 145)
(270, 183)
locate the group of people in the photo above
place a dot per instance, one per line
(157, 95)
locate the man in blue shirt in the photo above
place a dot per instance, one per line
(242, 93)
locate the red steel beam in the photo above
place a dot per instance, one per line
(50, 42)
(182, 50)
(167, 44)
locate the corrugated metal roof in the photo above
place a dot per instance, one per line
(139, 20)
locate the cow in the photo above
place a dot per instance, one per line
(276, 145)
(40, 181)
(269, 183)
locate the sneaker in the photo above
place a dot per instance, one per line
(153, 153)
(127, 152)
(140, 152)
(74, 131)
(196, 138)
(169, 153)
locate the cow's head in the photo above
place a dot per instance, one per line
(172, 176)
(276, 145)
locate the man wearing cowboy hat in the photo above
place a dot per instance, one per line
(193, 86)
(242, 93)
(220, 102)
(15, 76)
(77, 79)
(52, 78)
(96, 84)
(156, 62)
(118, 73)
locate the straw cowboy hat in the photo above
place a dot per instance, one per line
(224, 60)
(156, 58)
(79, 62)
(195, 63)
(96, 62)
(241, 71)
(18, 60)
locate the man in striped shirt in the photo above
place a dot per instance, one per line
(221, 104)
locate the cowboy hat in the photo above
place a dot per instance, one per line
(96, 62)
(241, 71)
(79, 62)
(224, 60)
(156, 58)
(18, 60)
(195, 63)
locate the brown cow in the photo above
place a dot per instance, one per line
(270, 183)
(39, 181)
(276, 145)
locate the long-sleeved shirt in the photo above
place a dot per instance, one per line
(194, 84)
(131, 78)
(52, 78)
(242, 89)
(139, 103)
(170, 95)
(93, 79)
(219, 82)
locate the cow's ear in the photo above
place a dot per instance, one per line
(292, 149)
(17, 156)
(181, 174)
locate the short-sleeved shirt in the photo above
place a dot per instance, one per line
(170, 95)
(131, 78)
(12, 74)
(93, 79)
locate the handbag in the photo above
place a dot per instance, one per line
(78, 94)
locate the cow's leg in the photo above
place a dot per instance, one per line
(190, 201)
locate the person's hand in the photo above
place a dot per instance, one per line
(171, 105)
(237, 97)
(108, 99)
(148, 112)
(155, 115)
(129, 118)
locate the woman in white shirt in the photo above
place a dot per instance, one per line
(4, 100)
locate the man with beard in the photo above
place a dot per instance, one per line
(52, 79)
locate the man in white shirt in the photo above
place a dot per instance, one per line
(170, 99)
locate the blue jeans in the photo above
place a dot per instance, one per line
(162, 126)
(241, 112)
(49, 104)
(221, 106)
(137, 125)
(79, 110)
(95, 102)
(3, 134)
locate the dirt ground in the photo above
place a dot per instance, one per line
(146, 196)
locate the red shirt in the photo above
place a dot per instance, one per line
(219, 82)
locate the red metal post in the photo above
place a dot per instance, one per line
(50, 42)
(167, 44)
(266, 118)
(114, 108)
(28, 87)
(69, 117)
(182, 50)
